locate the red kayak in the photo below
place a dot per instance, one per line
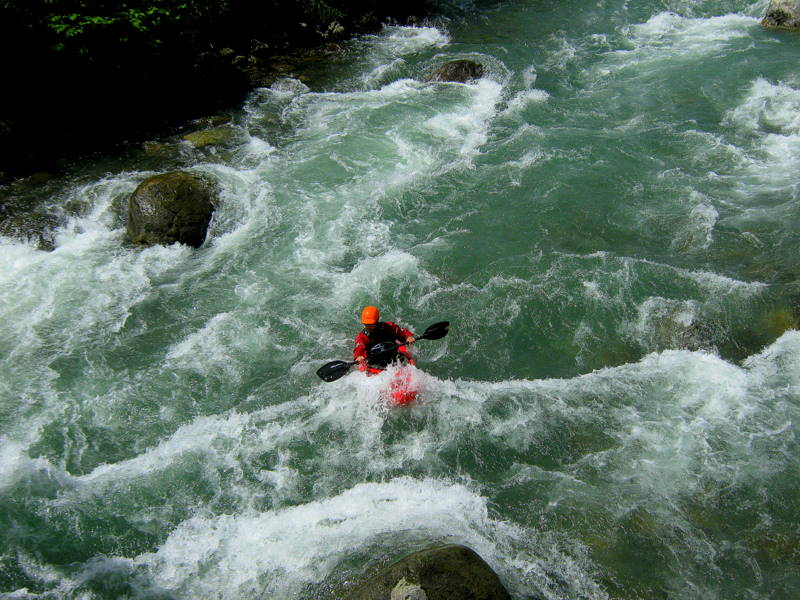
(402, 391)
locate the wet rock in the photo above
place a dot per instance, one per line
(442, 573)
(782, 14)
(172, 207)
(212, 121)
(407, 591)
(459, 71)
(160, 150)
(210, 137)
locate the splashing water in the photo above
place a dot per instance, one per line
(608, 220)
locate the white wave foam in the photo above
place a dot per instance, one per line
(769, 107)
(209, 451)
(16, 467)
(779, 365)
(693, 36)
(84, 288)
(354, 153)
(676, 419)
(375, 157)
(277, 554)
(385, 55)
(698, 231)
(524, 99)
(356, 405)
(17, 258)
(560, 53)
(213, 347)
(410, 40)
(201, 436)
(467, 128)
(258, 149)
(288, 88)
(769, 113)
(383, 72)
(670, 39)
(373, 274)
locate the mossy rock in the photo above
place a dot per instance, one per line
(449, 572)
(210, 137)
(782, 14)
(172, 207)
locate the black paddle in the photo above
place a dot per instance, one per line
(335, 369)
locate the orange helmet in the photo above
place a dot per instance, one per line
(370, 315)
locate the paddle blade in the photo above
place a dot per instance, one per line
(436, 331)
(334, 370)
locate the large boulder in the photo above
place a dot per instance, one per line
(172, 207)
(459, 71)
(449, 572)
(782, 14)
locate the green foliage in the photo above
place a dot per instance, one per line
(76, 23)
(100, 29)
(322, 11)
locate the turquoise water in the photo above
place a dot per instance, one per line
(609, 221)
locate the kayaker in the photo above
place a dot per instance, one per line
(375, 332)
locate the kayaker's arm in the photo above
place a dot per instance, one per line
(402, 335)
(360, 348)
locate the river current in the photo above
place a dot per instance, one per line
(608, 218)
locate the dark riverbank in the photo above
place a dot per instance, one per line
(101, 87)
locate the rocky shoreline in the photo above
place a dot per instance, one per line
(62, 107)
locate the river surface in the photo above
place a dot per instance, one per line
(609, 219)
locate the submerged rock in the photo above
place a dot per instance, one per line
(779, 320)
(442, 573)
(172, 207)
(782, 14)
(459, 71)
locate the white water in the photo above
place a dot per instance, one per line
(611, 233)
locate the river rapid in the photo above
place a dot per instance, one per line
(609, 219)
